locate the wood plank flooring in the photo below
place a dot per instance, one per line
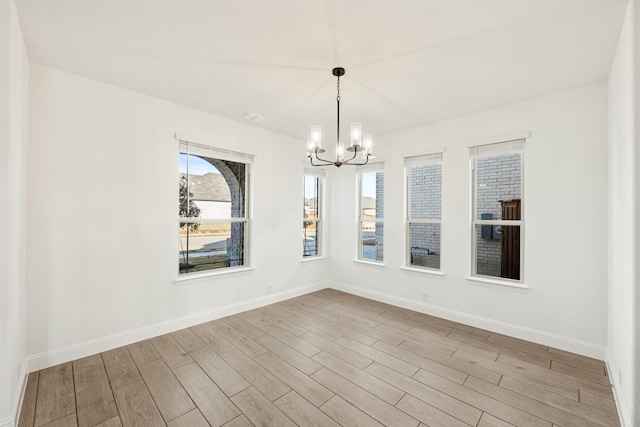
(325, 359)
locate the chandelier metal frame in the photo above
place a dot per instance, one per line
(359, 143)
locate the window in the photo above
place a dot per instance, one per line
(371, 213)
(213, 208)
(497, 221)
(424, 207)
(312, 226)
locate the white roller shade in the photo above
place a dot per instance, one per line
(314, 172)
(202, 150)
(497, 148)
(423, 159)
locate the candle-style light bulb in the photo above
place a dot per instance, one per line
(368, 144)
(316, 135)
(310, 146)
(356, 135)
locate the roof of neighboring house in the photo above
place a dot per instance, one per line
(368, 203)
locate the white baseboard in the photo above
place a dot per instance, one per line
(616, 392)
(20, 389)
(87, 348)
(12, 420)
(545, 338)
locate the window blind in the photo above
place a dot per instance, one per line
(314, 172)
(496, 148)
(202, 150)
(423, 159)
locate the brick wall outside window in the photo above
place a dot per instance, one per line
(425, 183)
(497, 178)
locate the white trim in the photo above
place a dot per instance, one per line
(198, 220)
(248, 213)
(20, 390)
(497, 283)
(189, 278)
(94, 346)
(501, 138)
(545, 338)
(425, 221)
(16, 407)
(367, 262)
(313, 258)
(507, 222)
(424, 270)
(615, 387)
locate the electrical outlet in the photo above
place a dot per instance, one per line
(269, 289)
(425, 297)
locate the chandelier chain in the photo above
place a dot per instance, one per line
(338, 97)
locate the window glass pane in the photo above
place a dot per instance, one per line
(425, 184)
(310, 240)
(214, 191)
(372, 243)
(424, 245)
(216, 188)
(372, 195)
(311, 235)
(208, 246)
(498, 251)
(498, 178)
(311, 198)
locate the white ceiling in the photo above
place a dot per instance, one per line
(408, 62)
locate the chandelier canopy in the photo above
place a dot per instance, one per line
(359, 143)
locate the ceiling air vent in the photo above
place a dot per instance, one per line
(251, 117)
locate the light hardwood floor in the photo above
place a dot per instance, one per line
(324, 359)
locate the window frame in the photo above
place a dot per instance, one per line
(320, 175)
(415, 160)
(492, 149)
(209, 149)
(371, 167)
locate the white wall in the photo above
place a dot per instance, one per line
(102, 238)
(565, 213)
(14, 79)
(624, 235)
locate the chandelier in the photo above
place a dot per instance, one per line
(359, 143)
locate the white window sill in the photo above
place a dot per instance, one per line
(373, 263)
(313, 258)
(438, 273)
(499, 284)
(188, 279)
